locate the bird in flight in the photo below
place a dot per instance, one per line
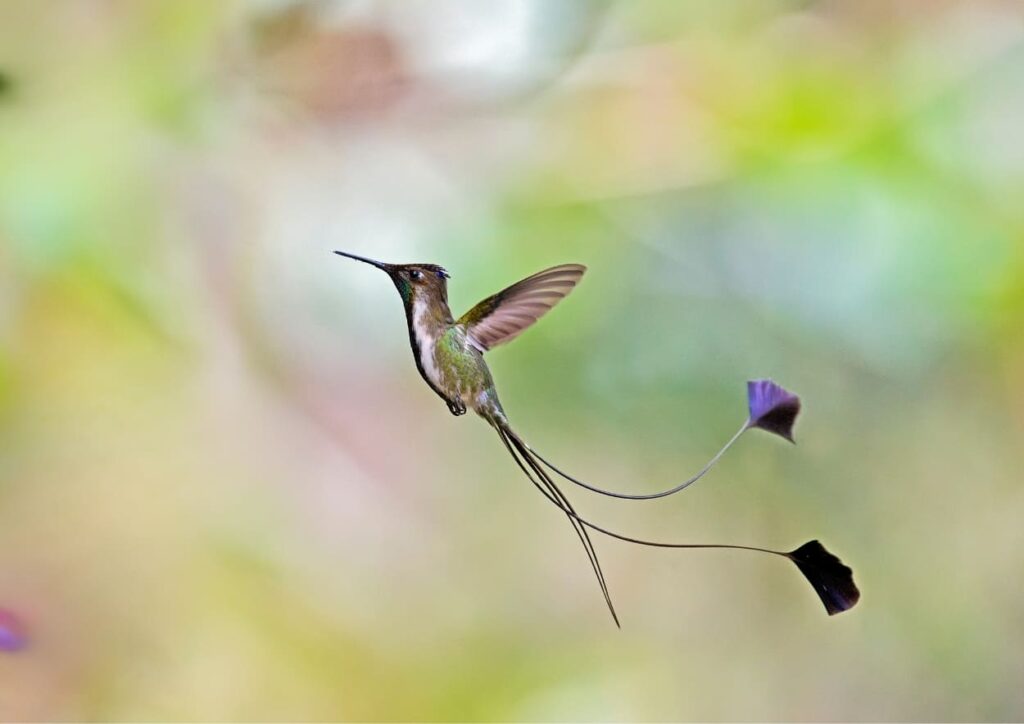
(449, 355)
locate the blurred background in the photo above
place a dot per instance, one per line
(225, 493)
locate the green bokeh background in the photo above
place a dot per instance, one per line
(225, 493)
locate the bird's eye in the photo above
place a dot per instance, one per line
(415, 275)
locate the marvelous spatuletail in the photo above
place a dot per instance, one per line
(449, 354)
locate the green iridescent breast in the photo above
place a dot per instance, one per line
(461, 365)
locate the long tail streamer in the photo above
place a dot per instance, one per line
(831, 579)
(772, 408)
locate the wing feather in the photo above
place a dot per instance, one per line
(504, 316)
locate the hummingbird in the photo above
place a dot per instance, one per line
(449, 355)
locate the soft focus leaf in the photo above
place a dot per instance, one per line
(12, 632)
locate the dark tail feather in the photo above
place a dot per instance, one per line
(551, 491)
(649, 496)
(831, 579)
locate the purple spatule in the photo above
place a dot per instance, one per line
(772, 408)
(12, 632)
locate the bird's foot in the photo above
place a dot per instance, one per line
(457, 407)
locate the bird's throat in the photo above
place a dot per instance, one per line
(426, 325)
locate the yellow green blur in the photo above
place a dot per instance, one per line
(226, 494)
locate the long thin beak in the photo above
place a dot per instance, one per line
(379, 264)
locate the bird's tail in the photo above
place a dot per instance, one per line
(528, 462)
(771, 408)
(831, 579)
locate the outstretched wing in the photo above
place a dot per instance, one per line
(510, 312)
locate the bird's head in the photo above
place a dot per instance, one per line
(414, 282)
